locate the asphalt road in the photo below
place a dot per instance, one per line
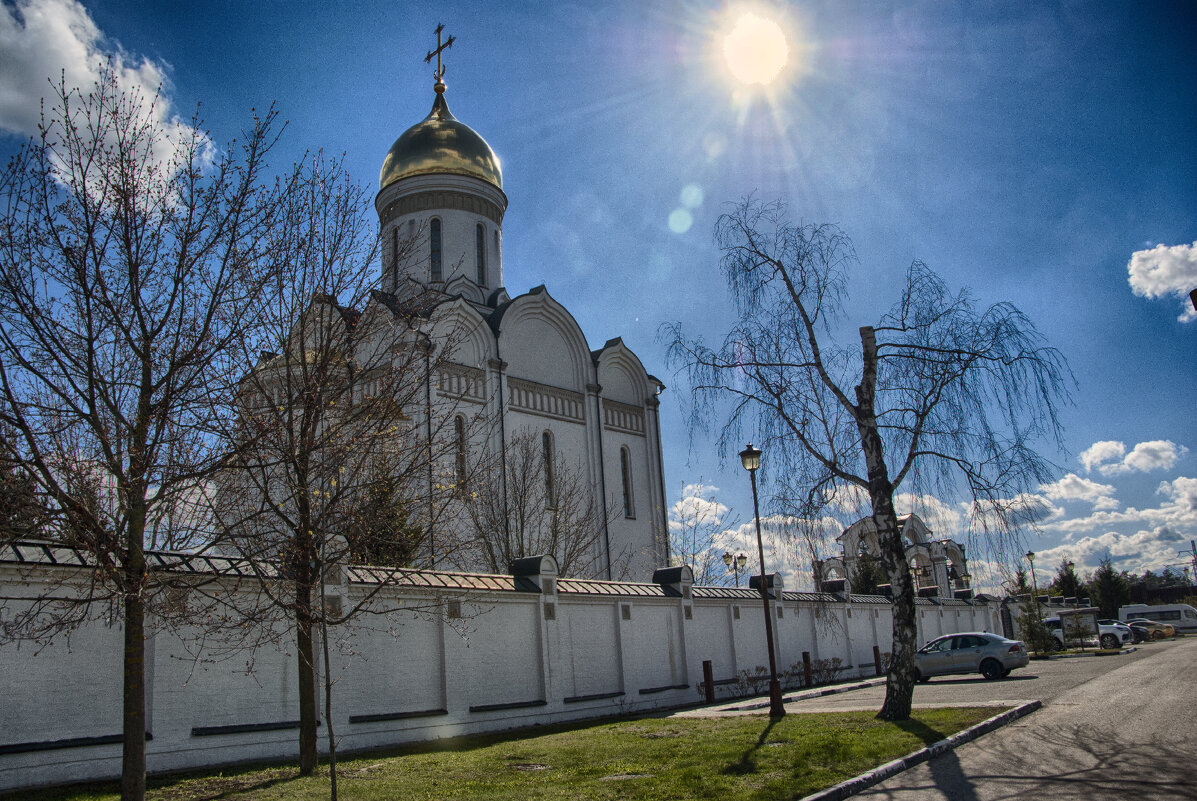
(1117, 727)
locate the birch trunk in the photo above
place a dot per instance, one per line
(899, 684)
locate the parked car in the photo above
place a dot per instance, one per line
(1142, 633)
(1158, 630)
(1120, 634)
(1182, 617)
(1109, 635)
(991, 655)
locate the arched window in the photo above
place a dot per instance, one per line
(459, 431)
(550, 498)
(480, 248)
(625, 473)
(434, 245)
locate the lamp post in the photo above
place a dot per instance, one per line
(1034, 585)
(736, 562)
(750, 457)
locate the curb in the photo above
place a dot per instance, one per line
(802, 696)
(1129, 650)
(865, 780)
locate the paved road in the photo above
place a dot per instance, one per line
(1121, 727)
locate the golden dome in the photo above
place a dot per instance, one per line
(440, 144)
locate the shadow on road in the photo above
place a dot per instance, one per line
(1073, 761)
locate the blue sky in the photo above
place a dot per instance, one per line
(1030, 151)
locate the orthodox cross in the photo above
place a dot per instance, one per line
(440, 69)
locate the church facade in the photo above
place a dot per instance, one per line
(521, 364)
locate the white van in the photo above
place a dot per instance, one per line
(1182, 617)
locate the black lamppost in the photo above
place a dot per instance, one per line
(1034, 585)
(750, 457)
(736, 562)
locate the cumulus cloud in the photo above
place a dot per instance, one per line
(1099, 453)
(696, 507)
(785, 553)
(1074, 488)
(1111, 458)
(1165, 270)
(1153, 548)
(45, 42)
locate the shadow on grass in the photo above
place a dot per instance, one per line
(214, 789)
(921, 730)
(747, 761)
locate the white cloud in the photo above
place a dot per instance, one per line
(1165, 270)
(1146, 549)
(45, 42)
(1101, 452)
(696, 507)
(1160, 454)
(1110, 457)
(1074, 488)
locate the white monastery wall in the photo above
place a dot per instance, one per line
(462, 658)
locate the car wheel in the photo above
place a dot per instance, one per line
(1005, 673)
(992, 669)
(1109, 642)
(1157, 635)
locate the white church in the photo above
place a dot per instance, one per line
(521, 365)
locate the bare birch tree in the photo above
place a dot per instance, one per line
(535, 501)
(941, 396)
(699, 529)
(126, 246)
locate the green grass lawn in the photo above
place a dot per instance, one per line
(650, 758)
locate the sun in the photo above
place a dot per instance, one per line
(755, 49)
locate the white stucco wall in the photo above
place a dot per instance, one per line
(513, 658)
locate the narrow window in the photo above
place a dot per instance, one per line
(549, 494)
(434, 242)
(395, 256)
(480, 247)
(625, 471)
(459, 430)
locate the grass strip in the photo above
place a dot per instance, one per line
(746, 757)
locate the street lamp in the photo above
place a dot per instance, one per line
(750, 457)
(736, 562)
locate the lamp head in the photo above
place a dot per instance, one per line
(741, 560)
(727, 558)
(750, 457)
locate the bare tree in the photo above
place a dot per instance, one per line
(338, 445)
(698, 536)
(126, 253)
(940, 396)
(537, 502)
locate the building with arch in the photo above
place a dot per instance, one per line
(939, 567)
(508, 367)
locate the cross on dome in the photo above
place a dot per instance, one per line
(440, 68)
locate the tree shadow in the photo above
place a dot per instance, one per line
(1074, 761)
(747, 761)
(921, 730)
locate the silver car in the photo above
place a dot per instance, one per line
(991, 655)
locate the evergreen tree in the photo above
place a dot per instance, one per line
(1021, 587)
(1109, 589)
(1066, 583)
(868, 575)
